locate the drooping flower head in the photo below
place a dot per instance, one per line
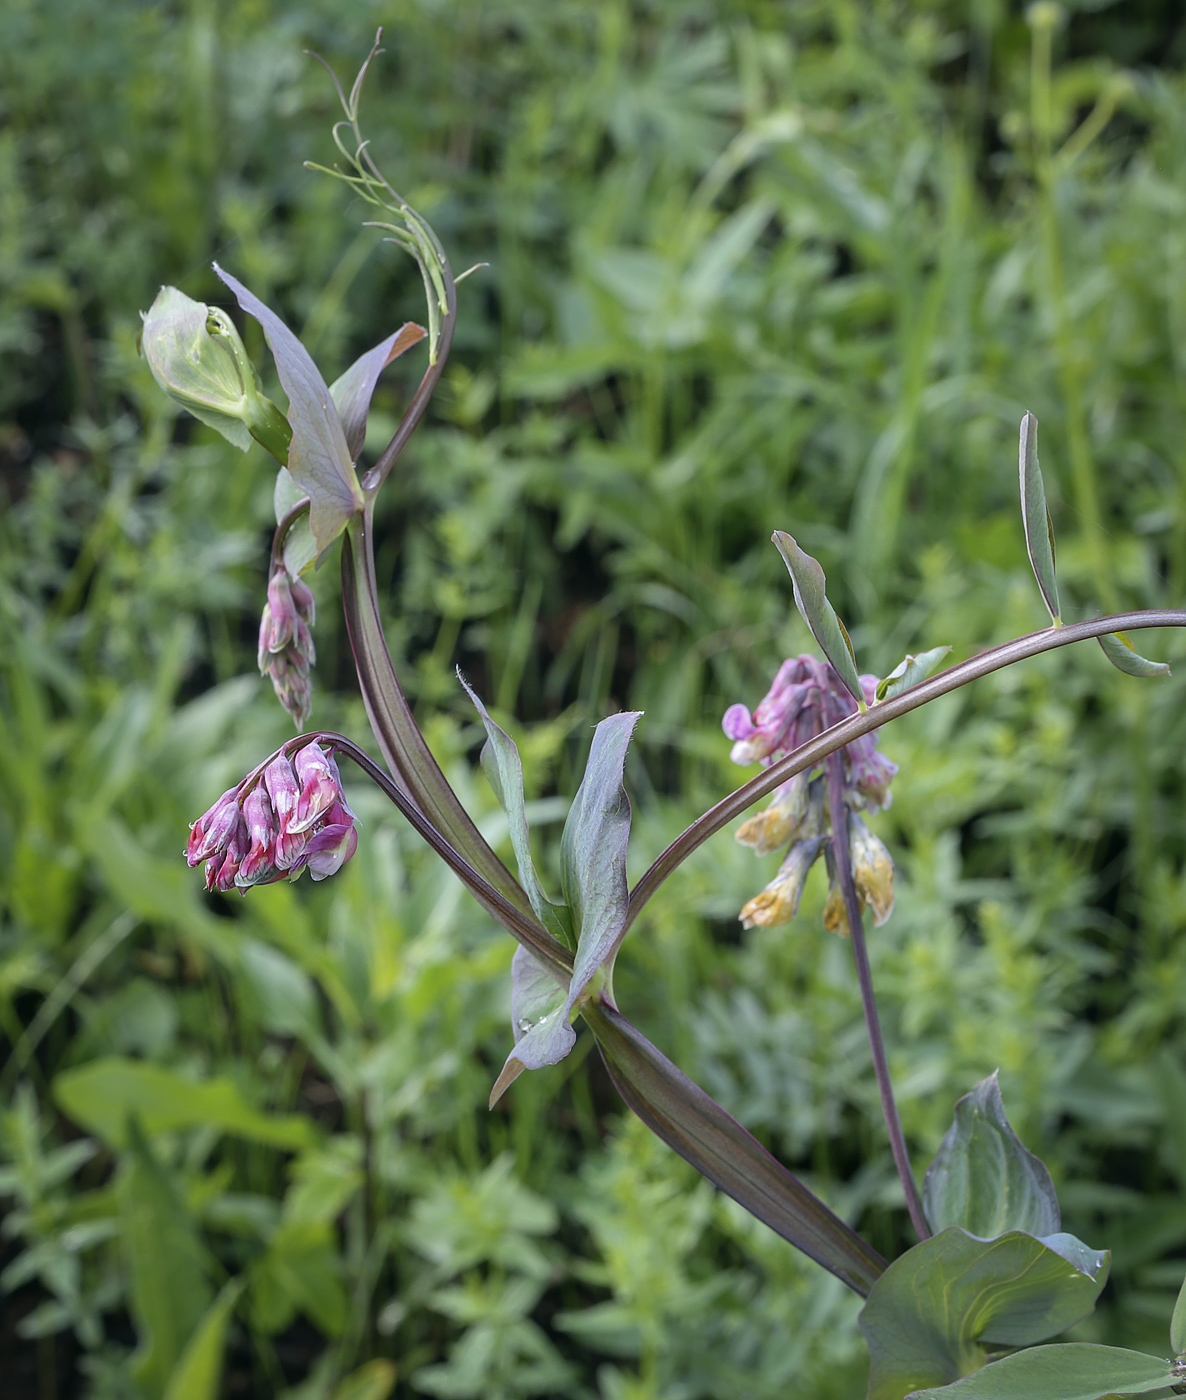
(806, 698)
(290, 814)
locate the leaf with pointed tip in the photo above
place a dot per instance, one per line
(931, 1313)
(537, 995)
(353, 391)
(983, 1179)
(504, 771)
(1178, 1324)
(593, 851)
(318, 458)
(698, 1128)
(1122, 654)
(909, 672)
(1035, 517)
(1073, 1371)
(808, 582)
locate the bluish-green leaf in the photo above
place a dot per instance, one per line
(931, 1313)
(909, 672)
(352, 391)
(1039, 532)
(318, 457)
(197, 1375)
(983, 1179)
(540, 1022)
(593, 851)
(504, 770)
(808, 581)
(101, 1095)
(1073, 1371)
(1123, 655)
(698, 1128)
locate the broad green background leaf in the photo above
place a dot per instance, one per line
(983, 1179)
(300, 1272)
(373, 1381)
(101, 1095)
(196, 1376)
(352, 391)
(930, 1312)
(1073, 1371)
(909, 672)
(1039, 533)
(167, 1267)
(1178, 1323)
(318, 459)
(808, 581)
(1123, 655)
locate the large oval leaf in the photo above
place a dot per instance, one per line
(931, 1312)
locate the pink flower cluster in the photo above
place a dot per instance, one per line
(286, 648)
(806, 698)
(275, 823)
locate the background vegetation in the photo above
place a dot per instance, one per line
(752, 265)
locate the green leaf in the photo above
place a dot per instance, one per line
(1178, 1323)
(352, 392)
(373, 1381)
(169, 1291)
(101, 1095)
(1073, 1371)
(504, 770)
(698, 1128)
(196, 1376)
(983, 1179)
(299, 1272)
(282, 994)
(931, 1312)
(808, 581)
(1039, 532)
(539, 1015)
(909, 672)
(318, 458)
(1123, 655)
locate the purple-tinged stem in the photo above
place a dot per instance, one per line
(813, 753)
(860, 952)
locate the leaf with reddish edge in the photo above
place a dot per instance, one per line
(694, 1125)
(318, 459)
(352, 392)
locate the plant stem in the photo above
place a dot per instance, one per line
(814, 752)
(856, 931)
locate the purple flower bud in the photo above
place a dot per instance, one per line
(331, 848)
(319, 782)
(286, 648)
(285, 792)
(212, 829)
(260, 861)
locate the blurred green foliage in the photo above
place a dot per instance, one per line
(752, 265)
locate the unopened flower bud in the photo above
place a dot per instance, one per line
(286, 648)
(283, 789)
(212, 829)
(319, 783)
(259, 864)
(872, 870)
(198, 359)
(779, 901)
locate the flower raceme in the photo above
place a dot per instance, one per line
(807, 697)
(287, 815)
(286, 650)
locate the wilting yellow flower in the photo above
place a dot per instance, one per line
(792, 814)
(872, 874)
(777, 903)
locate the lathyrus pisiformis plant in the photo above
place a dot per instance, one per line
(958, 1314)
